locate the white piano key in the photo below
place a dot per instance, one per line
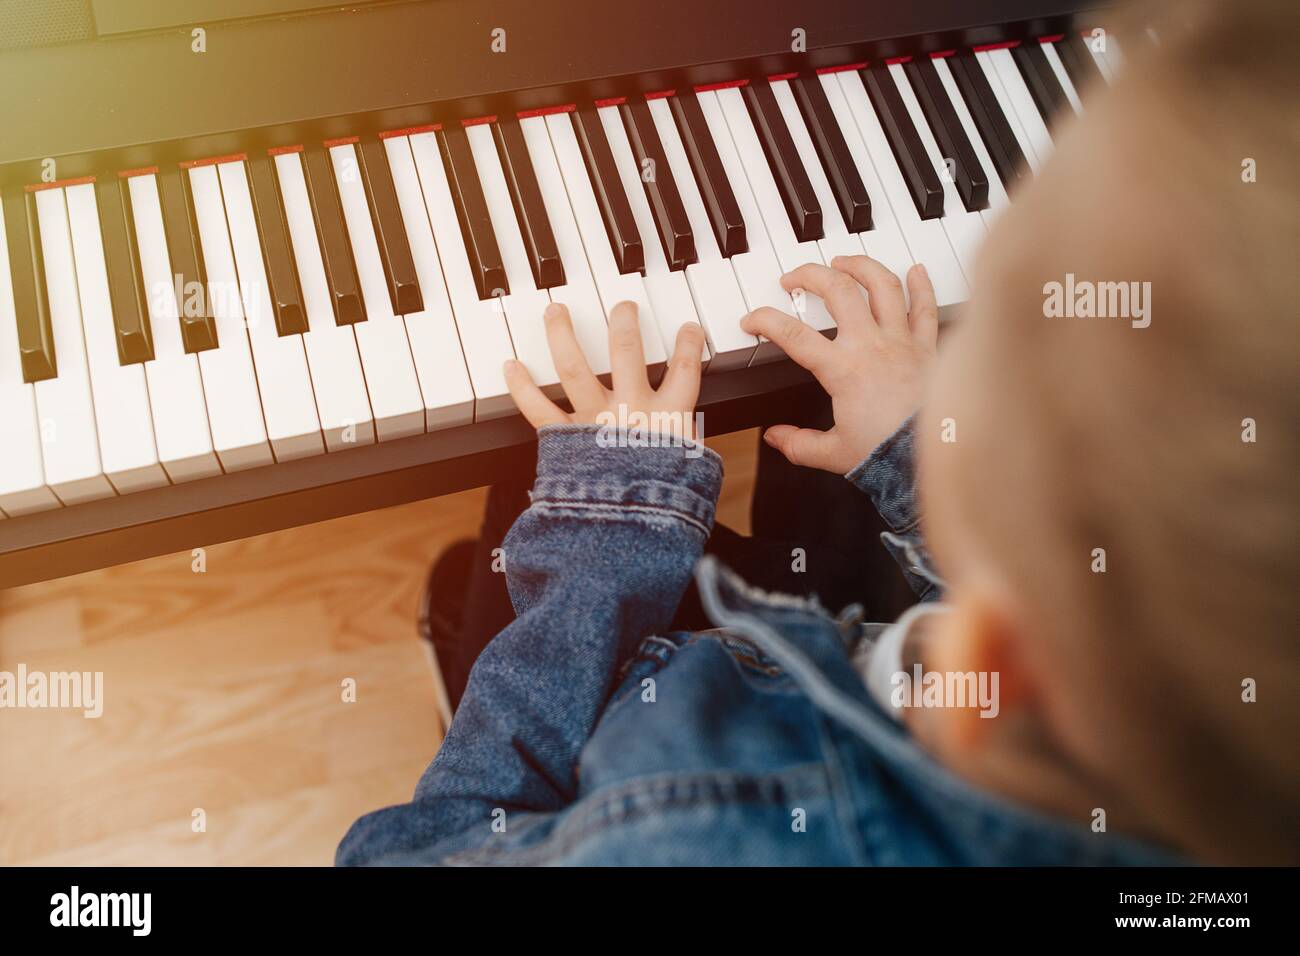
(837, 240)
(790, 252)
(1114, 55)
(180, 413)
(525, 303)
(1021, 101)
(997, 193)
(669, 292)
(926, 239)
(288, 403)
(126, 442)
(337, 379)
(385, 351)
(965, 229)
(579, 291)
(435, 344)
(482, 324)
(65, 406)
(758, 271)
(1062, 77)
(234, 406)
(22, 473)
(718, 299)
(884, 241)
(1008, 110)
(613, 286)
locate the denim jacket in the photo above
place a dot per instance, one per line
(589, 734)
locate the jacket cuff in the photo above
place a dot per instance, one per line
(602, 471)
(888, 476)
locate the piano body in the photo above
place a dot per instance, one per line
(262, 259)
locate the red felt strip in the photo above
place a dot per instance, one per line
(842, 68)
(59, 184)
(214, 160)
(728, 85)
(410, 130)
(547, 110)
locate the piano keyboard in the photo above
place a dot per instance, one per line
(165, 325)
(291, 298)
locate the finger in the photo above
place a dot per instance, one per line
(804, 446)
(681, 384)
(804, 344)
(626, 354)
(924, 318)
(884, 290)
(841, 293)
(532, 404)
(580, 384)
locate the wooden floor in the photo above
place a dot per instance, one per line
(223, 691)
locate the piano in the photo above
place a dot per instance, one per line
(261, 260)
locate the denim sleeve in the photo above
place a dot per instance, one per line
(598, 562)
(888, 476)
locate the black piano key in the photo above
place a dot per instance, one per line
(331, 231)
(608, 186)
(660, 188)
(787, 167)
(971, 179)
(198, 325)
(282, 273)
(472, 211)
(390, 229)
(833, 152)
(995, 131)
(125, 280)
(31, 303)
(710, 175)
(1079, 64)
(918, 172)
(530, 208)
(1043, 85)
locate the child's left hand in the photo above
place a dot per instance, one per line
(677, 393)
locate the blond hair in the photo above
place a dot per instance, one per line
(1134, 440)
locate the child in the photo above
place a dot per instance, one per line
(1110, 503)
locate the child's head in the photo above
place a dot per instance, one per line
(1170, 452)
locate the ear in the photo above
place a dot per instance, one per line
(982, 635)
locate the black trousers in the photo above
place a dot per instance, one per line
(834, 524)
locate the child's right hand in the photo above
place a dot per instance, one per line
(874, 368)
